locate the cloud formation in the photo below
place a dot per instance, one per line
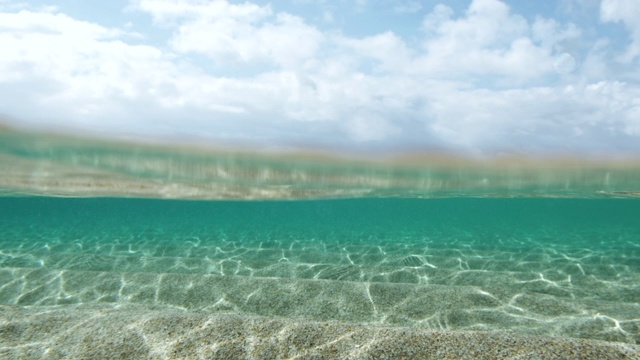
(480, 79)
(627, 12)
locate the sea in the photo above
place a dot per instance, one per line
(546, 246)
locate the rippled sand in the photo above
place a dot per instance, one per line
(544, 291)
(137, 332)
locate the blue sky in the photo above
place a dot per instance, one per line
(477, 76)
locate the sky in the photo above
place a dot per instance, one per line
(473, 76)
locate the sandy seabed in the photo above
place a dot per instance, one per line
(154, 332)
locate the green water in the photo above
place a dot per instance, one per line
(567, 267)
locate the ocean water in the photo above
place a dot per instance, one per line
(544, 249)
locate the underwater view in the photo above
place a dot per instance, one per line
(311, 179)
(109, 250)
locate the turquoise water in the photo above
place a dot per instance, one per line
(550, 266)
(512, 245)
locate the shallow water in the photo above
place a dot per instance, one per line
(441, 244)
(568, 267)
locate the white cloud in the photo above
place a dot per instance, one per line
(490, 41)
(388, 50)
(236, 32)
(482, 80)
(549, 33)
(565, 63)
(627, 12)
(286, 41)
(169, 10)
(84, 74)
(88, 60)
(556, 118)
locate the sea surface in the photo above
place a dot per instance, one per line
(540, 247)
